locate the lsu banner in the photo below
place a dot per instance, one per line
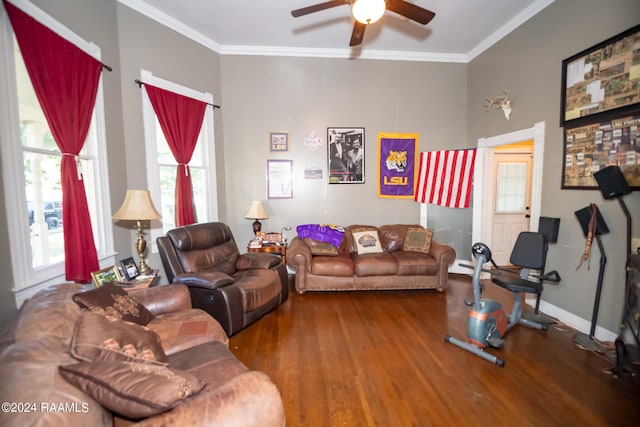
(397, 156)
(445, 178)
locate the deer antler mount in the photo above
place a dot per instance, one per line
(500, 103)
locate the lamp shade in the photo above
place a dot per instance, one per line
(256, 211)
(137, 205)
(368, 11)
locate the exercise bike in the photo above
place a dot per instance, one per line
(488, 323)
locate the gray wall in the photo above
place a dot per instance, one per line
(301, 95)
(146, 44)
(528, 64)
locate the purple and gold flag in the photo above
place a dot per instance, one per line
(397, 164)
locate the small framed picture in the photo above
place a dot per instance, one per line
(106, 275)
(278, 142)
(129, 268)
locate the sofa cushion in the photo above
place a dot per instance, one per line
(415, 264)
(258, 287)
(418, 240)
(340, 266)
(382, 264)
(367, 242)
(97, 337)
(320, 248)
(111, 300)
(185, 329)
(133, 390)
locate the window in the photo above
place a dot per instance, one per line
(161, 165)
(511, 187)
(31, 167)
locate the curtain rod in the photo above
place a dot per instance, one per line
(140, 83)
(108, 68)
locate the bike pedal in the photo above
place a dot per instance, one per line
(495, 342)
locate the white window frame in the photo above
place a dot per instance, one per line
(27, 280)
(209, 159)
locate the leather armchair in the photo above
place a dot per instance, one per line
(236, 289)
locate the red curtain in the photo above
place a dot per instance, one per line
(180, 118)
(65, 80)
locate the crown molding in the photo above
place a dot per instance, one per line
(162, 18)
(170, 22)
(342, 53)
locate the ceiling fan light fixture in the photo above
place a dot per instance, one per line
(368, 11)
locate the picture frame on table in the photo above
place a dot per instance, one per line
(603, 78)
(279, 142)
(345, 155)
(129, 268)
(106, 275)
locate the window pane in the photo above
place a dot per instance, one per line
(167, 196)
(168, 166)
(200, 192)
(44, 208)
(164, 152)
(511, 187)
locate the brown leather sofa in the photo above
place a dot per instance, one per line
(39, 340)
(236, 289)
(390, 268)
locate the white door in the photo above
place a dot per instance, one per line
(484, 182)
(512, 202)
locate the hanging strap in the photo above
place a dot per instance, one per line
(591, 232)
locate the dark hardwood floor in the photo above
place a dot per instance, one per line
(380, 359)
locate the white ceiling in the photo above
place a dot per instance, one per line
(460, 30)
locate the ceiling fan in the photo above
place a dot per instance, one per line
(369, 11)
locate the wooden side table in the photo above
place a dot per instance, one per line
(141, 283)
(272, 248)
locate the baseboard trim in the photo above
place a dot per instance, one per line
(576, 322)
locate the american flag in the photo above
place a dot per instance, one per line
(444, 178)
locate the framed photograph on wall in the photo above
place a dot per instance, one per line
(602, 78)
(590, 147)
(278, 142)
(106, 275)
(345, 155)
(279, 179)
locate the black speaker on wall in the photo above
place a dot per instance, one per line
(549, 228)
(584, 216)
(611, 182)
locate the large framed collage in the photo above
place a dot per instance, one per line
(600, 111)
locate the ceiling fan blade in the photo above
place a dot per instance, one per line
(317, 7)
(411, 11)
(357, 34)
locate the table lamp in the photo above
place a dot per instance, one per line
(256, 211)
(137, 206)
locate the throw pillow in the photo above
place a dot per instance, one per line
(321, 248)
(418, 240)
(367, 242)
(133, 390)
(98, 338)
(113, 301)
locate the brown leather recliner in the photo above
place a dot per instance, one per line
(236, 289)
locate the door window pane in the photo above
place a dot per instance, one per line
(511, 187)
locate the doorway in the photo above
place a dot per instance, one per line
(511, 197)
(484, 181)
